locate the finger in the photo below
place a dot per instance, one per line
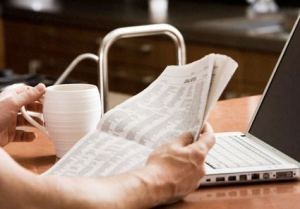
(199, 149)
(20, 88)
(24, 136)
(207, 128)
(35, 107)
(205, 142)
(21, 121)
(28, 96)
(184, 139)
(15, 88)
(11, 91)
(41, 99)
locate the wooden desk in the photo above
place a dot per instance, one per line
(230, 115)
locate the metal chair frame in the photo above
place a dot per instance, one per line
(121, 33)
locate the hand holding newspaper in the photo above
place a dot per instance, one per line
(176, 102)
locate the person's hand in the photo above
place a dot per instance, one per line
(171, 172)
(11, 100)
(177, 167)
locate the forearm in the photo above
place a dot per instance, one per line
(136, 189)
(22, 189)
(18, 187)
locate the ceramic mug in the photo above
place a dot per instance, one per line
(70, 111)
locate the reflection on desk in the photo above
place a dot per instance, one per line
(244, 192)
(276, 195)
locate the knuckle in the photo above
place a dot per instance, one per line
(202, 148)
(212, 137)
(188, 135)
(197, 153)
(210, 140)
(172, 148)
(31, 92)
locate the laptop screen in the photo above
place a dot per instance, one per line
(277, 121)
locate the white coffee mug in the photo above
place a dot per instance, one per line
(70, 111)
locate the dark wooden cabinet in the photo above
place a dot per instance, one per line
(133, 63)
(252, 75)
(48, 49)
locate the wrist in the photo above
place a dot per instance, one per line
(159, 190)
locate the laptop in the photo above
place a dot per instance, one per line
(270, 149)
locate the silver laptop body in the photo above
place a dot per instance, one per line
(250, 157)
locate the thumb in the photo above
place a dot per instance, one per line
(28, 96)
(207, 128)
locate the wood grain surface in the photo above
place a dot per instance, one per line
(229, 115)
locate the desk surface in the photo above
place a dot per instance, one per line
(230, 115)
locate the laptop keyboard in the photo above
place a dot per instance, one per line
(236, 151)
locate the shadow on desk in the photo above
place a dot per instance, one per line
(35, 164)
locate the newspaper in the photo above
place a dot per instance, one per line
(176, 102)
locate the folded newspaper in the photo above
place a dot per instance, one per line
(176, 102)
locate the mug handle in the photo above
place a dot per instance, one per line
(32, 121)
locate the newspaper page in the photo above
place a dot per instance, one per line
(224, 68)
(100, 154)
(175, 103)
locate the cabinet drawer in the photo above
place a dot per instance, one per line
(151, 52)
(51, 38)
(131, 79)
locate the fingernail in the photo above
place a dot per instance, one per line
(40, 87)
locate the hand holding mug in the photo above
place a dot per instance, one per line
(11, 100)
(70, 111)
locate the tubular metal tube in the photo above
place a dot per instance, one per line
(129, 32)
(73, 64)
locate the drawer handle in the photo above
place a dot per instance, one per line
(146, 79)
(143, 49)
(34, 66)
